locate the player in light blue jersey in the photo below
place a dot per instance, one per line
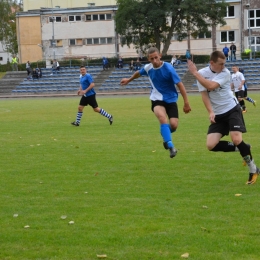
(88, 93)
(225, 114)
(164, 95)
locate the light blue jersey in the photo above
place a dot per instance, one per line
(85, 81)
(163, 80)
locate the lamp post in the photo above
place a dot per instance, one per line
(53, 41)
(249, 28)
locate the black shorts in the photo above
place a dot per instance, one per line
(171, 108)
(230, 121)
(239, 94)
(89, 100)
(245, 92)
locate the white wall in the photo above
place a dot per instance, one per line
(4, 55)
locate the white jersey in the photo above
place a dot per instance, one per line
(237, 78)
(221, 98)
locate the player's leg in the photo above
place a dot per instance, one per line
(237, 127)
(160, 112)
(215, 132)
(94, 104)
(79, 115)
(82, 103)
(248, 98)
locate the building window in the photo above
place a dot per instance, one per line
(101, 17)
(91, 4)
(230, 11)
(227, 36)
(73, 18)
(98, 17)
(255, 43)
(90, 41)
(56, 19)
(75, 42)
(254, 18)
(1, 58)
(56, 43)
(95, 40)
(102, 40)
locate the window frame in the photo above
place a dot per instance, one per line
(227, 36)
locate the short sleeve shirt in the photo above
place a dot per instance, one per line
(237, 78)
(163, 80)
(85, 81)
(221, 98)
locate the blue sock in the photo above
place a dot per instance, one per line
(166, 135)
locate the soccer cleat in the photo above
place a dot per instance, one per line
(110, 119)
(75, 123)
(253, 177)
(173, 152)
(254, 103)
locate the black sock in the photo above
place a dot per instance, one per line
(224, 146)
(244, 149)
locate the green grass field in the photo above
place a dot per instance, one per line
(127, 198)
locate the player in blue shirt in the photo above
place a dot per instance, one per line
(88, 93)
(164, 95)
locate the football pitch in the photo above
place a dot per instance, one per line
(100, 191)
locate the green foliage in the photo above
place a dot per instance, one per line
(128, 199)
(8, 9)
(151, 22)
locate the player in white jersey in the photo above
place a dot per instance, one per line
(225, 114)
(164, 95)
(237, 83)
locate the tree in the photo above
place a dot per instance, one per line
(8, 10)
(146, 23)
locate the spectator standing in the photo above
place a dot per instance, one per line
(237, 83)
(105, 63)
(188, 55)
(226, 51)
(224, 111)
(14, 63)
(28, 67)
(233, 49)
(120, 62)
(88, 93)
(164, 95)
(131, 65)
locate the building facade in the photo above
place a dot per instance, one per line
(89, 32)
(37, 4)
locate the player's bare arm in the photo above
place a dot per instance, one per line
(125, 81)
(186, 107)
(207, 104)
(208, 84)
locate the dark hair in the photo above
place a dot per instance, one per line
(82, 66)
(215, 55)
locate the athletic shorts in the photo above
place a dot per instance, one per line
(245, 92)
(239, 94)
(89, 100)
(171, 108)
(230, 121)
